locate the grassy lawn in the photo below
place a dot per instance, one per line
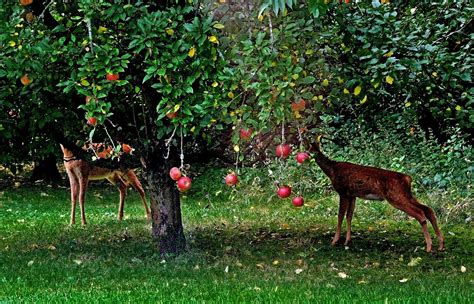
(241, 249)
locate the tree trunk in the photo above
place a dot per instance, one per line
(167, 226)
(46, 169)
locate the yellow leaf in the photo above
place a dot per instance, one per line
(346, 91)
(388, 54)
(260, 18)
(320, 97)
(236, 148)
(230, 94)
(169, 31)
(295, 76)
(357, 90)
(340, 80)
(102, 29)
(458, 108)
(213, 39)
(219, 26)
(435, 74)
(325, 82)
(309, 52)
(407, 104)
(297, 114)
(84, 82)
(193, 129)
(389, 79)
(192, 52)
(292, 84)
(176, 107)
(12, 43)
(376, 85)
(364, 100)
(215, 84)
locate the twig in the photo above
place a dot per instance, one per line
(41, 16)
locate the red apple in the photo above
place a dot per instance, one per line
(301, 157)
(25, 2)
(245, 134)
(112, 77)
(92, 121)
(283, 150)
(298, 201)
(284, 191)
(298, 106)
(184, 183)
(126, 148)
(172, 115)
(175, 173)
(25, 80)
(231, 179)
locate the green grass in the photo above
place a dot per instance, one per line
(241, 249)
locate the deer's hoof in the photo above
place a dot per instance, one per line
(347, 242)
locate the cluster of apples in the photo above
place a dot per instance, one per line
(283, 151)
(182, 182)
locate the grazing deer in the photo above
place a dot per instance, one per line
(351, 181)
(81, 171)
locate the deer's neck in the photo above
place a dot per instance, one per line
(326, 164)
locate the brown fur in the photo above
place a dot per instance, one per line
(351, 181)
(80, 172)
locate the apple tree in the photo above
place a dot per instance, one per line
(148, 74)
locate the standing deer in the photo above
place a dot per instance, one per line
(80, 172)
(351, 181)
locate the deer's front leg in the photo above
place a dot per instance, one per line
(343, 205)
(74, 184)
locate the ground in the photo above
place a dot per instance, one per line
(252, 249)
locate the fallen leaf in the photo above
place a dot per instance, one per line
(389, 79)
(298, 270)
(300, 262)
(403, 280)
(51, 247)
(226, 270)
(463, 269)
(31, 263)
(276, 262)
(414, 261)
(78, 262)
(260, 265)
(342, 275)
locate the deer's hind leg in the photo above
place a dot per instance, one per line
(349, 214)
(133, 179)
(408, 204)
(429, 213)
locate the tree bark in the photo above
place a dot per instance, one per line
(167, 226)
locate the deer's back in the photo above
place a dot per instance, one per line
(367, 182)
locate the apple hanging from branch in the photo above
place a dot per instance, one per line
(298, 201)
(184, 183)
(301, 157)
(231, 179)
(284, 191)
(175, 173)
(283, 150)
